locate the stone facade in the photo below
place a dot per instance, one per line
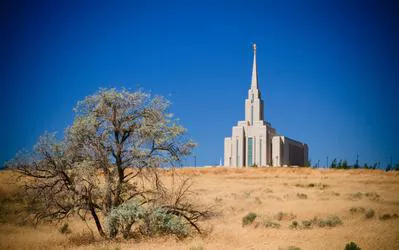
(255, 142)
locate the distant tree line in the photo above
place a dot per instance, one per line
(343, 164)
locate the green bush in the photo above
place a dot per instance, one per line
(248, 219)
(352, 246)
(123, 217)
(159, 222)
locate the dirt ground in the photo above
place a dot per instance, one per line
(280, 197)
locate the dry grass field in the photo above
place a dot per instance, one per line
(295, 207)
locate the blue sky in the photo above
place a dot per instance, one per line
(328, 70)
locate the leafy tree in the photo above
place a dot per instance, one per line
(334, 163)
(345, 164)
(111, 154)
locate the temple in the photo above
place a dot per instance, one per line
(254, 142)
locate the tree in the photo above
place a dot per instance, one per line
(334, 163)
(110, 155)
(345, 164)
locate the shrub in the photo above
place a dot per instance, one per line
(159, 222)
(352, 246)
(65, 229)
(369, 213)
(271, 224)
(387, 216)
(307, 224)
(293, 248)
(123, 217)
(357, 209)
(331, 221)
(197, 248)
(248, 219)
(294, 225)
(302, 196)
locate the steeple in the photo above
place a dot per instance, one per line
(254, 82)
(254, 102)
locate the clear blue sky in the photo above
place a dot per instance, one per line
(328, 70)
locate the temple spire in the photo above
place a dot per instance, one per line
(254, 82)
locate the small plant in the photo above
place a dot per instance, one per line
(387, 216)
(218, 199)
(352, 246)
(249, 218)
(293, 248)
(270, 224)
(302, 196)
(279, 215)
(307, 224)
(357, 210)
(65, 229)
(332, 221)
(372, 196)
(294, 225)
(197, 248)
(369, 213)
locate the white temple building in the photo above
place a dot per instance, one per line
(255, 142)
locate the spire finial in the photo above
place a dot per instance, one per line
(254, 82)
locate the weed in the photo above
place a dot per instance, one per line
(80, 239)
(218, 199)
(330, 221)
(271, 224)
(248, 219)
(352, 246)
(284, 216)
(387, 216)
(357, 210)
(294, 225)
(197, 248)
(302, 196)
(65, 229)
(293, 248)
(369, 213)
(307, 224)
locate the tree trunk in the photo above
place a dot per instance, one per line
(97, 220)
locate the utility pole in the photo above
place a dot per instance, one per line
(357, 160)
(195, 161)
(327, 162)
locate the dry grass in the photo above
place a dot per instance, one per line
(270, 193)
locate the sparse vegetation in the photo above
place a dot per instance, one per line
(64, 229)
(352, 246)
(197, 248)
(369, 213)
(330, 221)
(270, 224)
(388, 216)
(249, 218)
(373, 196)
(302, 196)
(293, 248)
(357, 210)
